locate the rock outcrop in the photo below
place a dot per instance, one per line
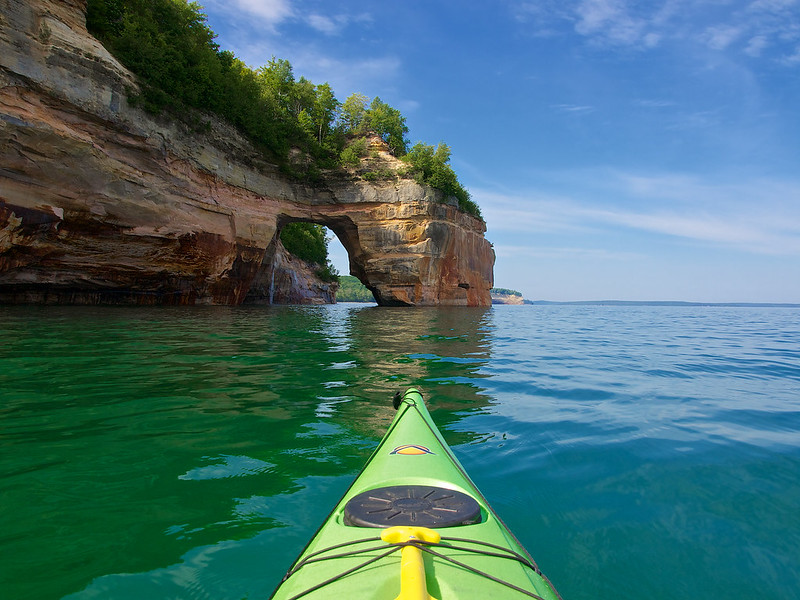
(290, 280)
(101, 202)
(498, 298)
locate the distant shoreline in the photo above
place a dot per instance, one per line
(628, 303)
(663, 303)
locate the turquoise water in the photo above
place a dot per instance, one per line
(637, 452)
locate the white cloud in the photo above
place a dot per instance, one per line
(772, 5)
(596, 15)
(757, 216)
(572, 108)
(651, 40)
(611, 20)
(650, 103)
(721, 36)
(748, 27)
(324, 24)
(271, 11)
(332, 25)
(372, 76)
(562, 252)
(368, 76)
(756, 45)
(701, 119)
(532, 213)
(792, 59)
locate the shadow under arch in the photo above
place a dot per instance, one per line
(345, 229)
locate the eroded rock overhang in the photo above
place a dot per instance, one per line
(101, 202)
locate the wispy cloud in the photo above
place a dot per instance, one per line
(325, 24)
(562, 252)
(612, 20)
(367, 76)
(260, 35)
(750, 27)
(653, 103)
(271, 12)
(758, 216)
(372, 75)
(792, 59)
(572, 108)
(274, 13)
(719, 37)
(335, 24)
(756, 45)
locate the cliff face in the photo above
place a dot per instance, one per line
(101, 202)
(290, 280)
(507, 299)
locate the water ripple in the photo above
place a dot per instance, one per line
(192, 452)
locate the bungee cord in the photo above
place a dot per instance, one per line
(322, 555)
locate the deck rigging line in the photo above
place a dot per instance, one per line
(321, 555)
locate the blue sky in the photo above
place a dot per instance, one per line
(618, 149)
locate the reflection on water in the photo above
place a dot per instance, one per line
(133, 436)
(177, 452)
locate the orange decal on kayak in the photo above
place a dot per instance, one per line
(411, 449)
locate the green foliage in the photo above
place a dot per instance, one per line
(379, 175)
(276, 80)
(324, 110)
(104, 18)
(169, 46)
(431, 166)
(356, 118)
(306, 241)
(328, 273)
(352, 290)
(353, 113)
(306, 122)
(505, 292)
(388, 123)
(354, 152)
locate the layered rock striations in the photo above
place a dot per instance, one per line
(501, 298)
(102, 202)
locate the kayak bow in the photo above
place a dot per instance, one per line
(413, 524)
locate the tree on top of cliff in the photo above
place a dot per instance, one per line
(169, 46)
(359, 117)
(352, 113)
(313, 108)
(432, 166)
(505, 292)
(389, 124)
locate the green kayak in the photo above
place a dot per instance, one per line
(413, 526)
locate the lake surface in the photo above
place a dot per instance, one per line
(637, 452)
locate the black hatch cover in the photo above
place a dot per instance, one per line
(418, 505)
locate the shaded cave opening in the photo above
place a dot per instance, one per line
(280, 281)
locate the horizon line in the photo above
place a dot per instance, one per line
(667, 303)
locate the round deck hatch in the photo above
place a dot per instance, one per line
(419, 505)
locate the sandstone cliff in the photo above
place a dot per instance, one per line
(290, 280)
(101, 202)
(507, 299)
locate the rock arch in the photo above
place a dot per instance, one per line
(101, 202)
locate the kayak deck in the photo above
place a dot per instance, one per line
(414, 480)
